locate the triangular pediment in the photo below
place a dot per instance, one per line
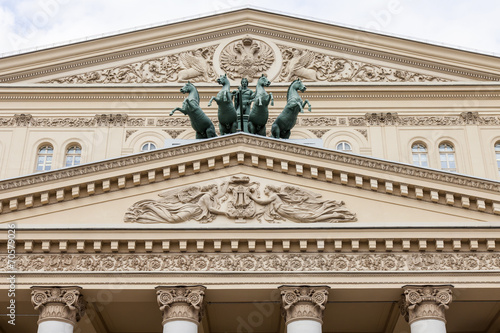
(247, 43)
(245, 181)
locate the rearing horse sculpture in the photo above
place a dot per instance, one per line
(228, 119)
(259, 114)
(288, 117)
(202, 125)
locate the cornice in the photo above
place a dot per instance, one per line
(249, 28)
(471, 193)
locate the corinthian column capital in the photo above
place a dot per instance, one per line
(181, 303)
(303, 302)
(425, 302)
(64, 304)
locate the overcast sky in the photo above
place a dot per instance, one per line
(468, 24)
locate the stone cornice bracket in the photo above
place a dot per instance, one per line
(181, 303)
(425, 302)
(64, 304)
(303, 302)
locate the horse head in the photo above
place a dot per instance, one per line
(223, 80)
(187, 88)
(264, 81)
(299, 85)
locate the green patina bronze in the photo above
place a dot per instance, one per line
(288, 117)
(259, 114)
(202, 125)
(227, 113)
(242, 99)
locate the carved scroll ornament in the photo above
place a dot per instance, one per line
(181, 303)
(425, 302)
(314, 66)
(61, 304)
(237, 199)
(195, 65)
(303, 303)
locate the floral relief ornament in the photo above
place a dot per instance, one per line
(237, 199)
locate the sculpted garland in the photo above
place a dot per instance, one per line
(238, 199)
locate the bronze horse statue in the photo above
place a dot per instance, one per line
(202, 125)
(259, 114)
(228, 119)
(288, 117)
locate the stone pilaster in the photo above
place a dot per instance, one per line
(181, 303)
(425, 302)
(303, 302)
(65, 304)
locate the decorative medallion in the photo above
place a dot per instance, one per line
(246, 58)
(238, 199)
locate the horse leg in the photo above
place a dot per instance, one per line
(177, 109)
(234, 127)
(212, 99)
(210, 132)
(275, 131)
(251, 128)
(260, 100)
(271, 98)
(200, 135)
(262, 131)
(286, 134)
(307, 102)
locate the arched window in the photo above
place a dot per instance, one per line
(447, 157)
(73, 155)
(419, 154)
(497, 155)
(44, 158)
(344, 146)
(148, 146)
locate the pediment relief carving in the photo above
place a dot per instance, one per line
(239, 199)
(248, 57)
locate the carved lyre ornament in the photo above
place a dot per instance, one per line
(239, 199)
(58, 303)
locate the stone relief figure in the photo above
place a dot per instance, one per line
(246, 58)
(190, 203)
(295, 204)
(202, 125)
(196, 65)
(299, 66)
(239, 199)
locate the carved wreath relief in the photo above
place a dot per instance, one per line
(239, 199)
(248, 58)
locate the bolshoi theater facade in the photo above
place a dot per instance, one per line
(377, 211)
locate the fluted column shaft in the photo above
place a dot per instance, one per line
(182, 308)
(302, 307)
(424, 307)
(60, 308)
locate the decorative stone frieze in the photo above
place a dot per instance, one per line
(64, 304)
(257, 262)
(181, 303)
(425, 302)
(303, 302)
(194, 65)
(314, 66)
(238, 199)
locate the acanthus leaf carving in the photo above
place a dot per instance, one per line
(195, 65)
(181, 303)
(58, 303)
(314, 66)
(203, 204)
(303, 302)
(425, 302)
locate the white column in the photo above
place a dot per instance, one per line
(424, 307)
(60, 308)
(303, 307)
(182, 308)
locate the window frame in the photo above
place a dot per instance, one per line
(45, 156)
(73, 155)
(420, 154)
(447, 154)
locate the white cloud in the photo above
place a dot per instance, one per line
(463, 23)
